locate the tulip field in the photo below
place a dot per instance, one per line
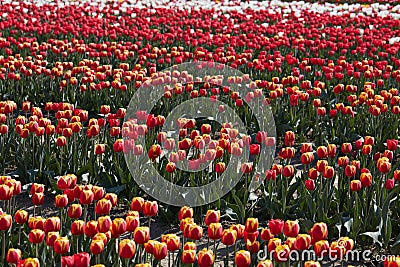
(291, 131)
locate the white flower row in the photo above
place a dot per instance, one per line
(275, 6)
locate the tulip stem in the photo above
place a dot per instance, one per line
(127, 262)
(4, 244)
(37, 249)
(61, 159)
(85, 212)
(19, 235)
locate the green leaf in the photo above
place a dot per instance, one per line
(376, 236)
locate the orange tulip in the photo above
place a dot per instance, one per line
(103, 207)
(104, 224)
(242, 258)
(150, 208)
(251, 225)
(319, 232)
(188, 256)
(51, 238)
(160, 250)
(212, 216)
(13, 255)
(141, 235)
(21, 216)
(75, 211)
(36, 236)
(52, 224)
(127, 249)
(137, 204)
(185, 212)
(96, 246)
(90, 228)
(205, 258)
(61, 245)
(77, 227)
(5, 222)
(229, 237)
(291, 228)
(215, 231)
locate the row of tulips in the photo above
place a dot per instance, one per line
(95, 238)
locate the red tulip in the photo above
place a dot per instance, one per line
(205, 258)
(242, 258)
(13, 255)
(291, 228)
(276, 226)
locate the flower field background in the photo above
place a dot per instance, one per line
(329, 72)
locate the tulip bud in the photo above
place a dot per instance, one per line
(51, 238)
(104, 224)
(265, 263)
(103, 206)
(312, 264)
(52, 224)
